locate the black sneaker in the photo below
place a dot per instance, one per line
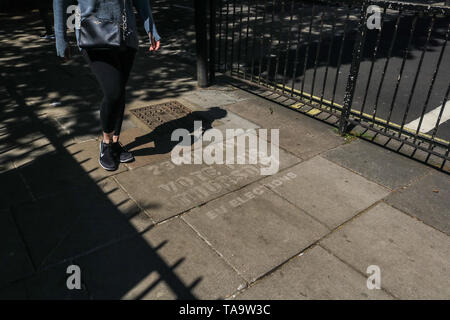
(122, 154)
(107, 160)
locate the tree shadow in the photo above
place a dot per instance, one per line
(61, 214)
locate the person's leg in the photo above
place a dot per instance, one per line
(106, 67)
(43, 6)
(126, 61)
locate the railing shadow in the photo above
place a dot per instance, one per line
(62, 214)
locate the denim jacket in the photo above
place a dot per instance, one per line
(105, 9)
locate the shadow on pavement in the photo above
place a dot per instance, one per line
(61, 214)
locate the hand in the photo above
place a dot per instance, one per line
(154, 45)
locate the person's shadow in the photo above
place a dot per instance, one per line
(161, 135)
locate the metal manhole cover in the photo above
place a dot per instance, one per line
(165, 117)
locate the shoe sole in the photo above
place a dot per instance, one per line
(126, 161)
(107, 169)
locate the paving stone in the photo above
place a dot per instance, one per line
(77, 99)
(17, 136)
(15, 291)
(150, 147)
(73, 222)
(48, 285)
(146, 148)
(119, 216)
(171, 189)
(12, 120)
(23, 154)
(300, 135)
(14, 261)
(127, 206)
(316, 275)
(377, 164)
(169, 80)
(399, 147)
(167, 262)
(53, 173)
(329, 192)
(127, 123)
(234, 121)
(6, 165)
(254, 229)
(12, 189)
(86, 154)
(414, 259)
(428, 199)
(212, 98)
(218, 117)
(82, 126)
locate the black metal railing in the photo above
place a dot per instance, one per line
(384, 68)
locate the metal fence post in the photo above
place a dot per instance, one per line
(354, 69)
(201, 42)
(212, 40)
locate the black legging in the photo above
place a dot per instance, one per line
(112, 68)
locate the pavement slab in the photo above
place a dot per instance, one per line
(399, 147)
(168, 262)
(170, 189)
(13, 190)
(427, 199)
(254, 229)
(151, 146)
(146, 148)
(299, 134)
(27, 153)
(212, 97)
(414, 258)
(6, 165)
(123, 203)
(14, 261)
(86, 154)
(53, 173)
(315, 274)
(50, 284)
(328, 192)
(377, 164)
(82, 126)
(12, 119)
(19, 135)
(110, 218)
(73, 222)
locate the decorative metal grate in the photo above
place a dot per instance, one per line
(165, 117)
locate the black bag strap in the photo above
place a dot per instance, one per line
(124, 20)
